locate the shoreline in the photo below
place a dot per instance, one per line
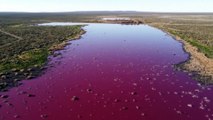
(13, 77)
(119, 21)
(198, 65)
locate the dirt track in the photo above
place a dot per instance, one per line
(12, 35)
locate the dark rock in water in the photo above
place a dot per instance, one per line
(133, 93)
(31, 95)
(0, 106)
(137, 107)
(4, 96)
(124, 108)
(44, 116)
(9, 104)
(30, 77)
(135, 84)
(126, 100)
(75, 98)
(116, 100)
(16, 80)
(79, 116)
(56, 54)
(89, 90)
(4, 90)
(142, 114)
(22, 92)
(5, 101)
(16, 116)
(43, 68)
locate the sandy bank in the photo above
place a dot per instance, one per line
(198, 63)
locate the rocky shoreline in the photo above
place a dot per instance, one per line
(200, 66)
(197, 65)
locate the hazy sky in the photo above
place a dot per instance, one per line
(101, 5)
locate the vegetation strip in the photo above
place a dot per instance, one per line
(26, 58)
(195, 32)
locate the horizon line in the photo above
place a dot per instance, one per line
(100, 11)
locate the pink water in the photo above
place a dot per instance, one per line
(118, 72)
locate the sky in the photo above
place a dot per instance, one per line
(106, 5)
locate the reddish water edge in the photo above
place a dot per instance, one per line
(114, 72)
